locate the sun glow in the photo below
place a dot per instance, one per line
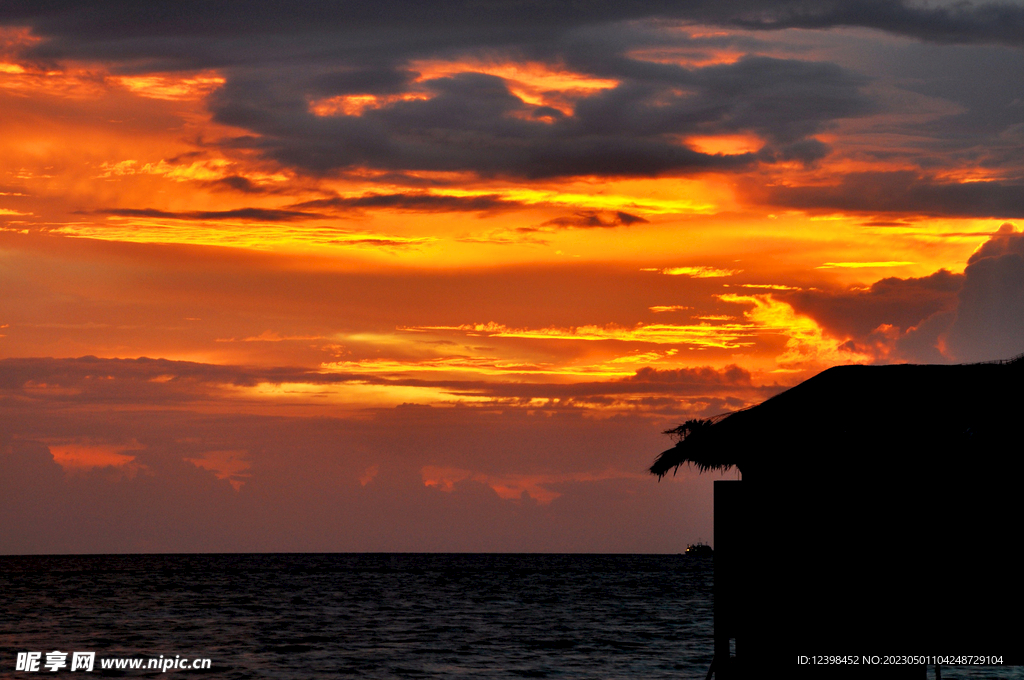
(237, 234)
(727, 145)
(141, 159)
(599, 201)
(172, 87)
(696, 272)
(722, 336)
(807, 344)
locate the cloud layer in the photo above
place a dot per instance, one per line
(409, 478)
(434, 275)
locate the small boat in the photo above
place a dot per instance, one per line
(699, 550)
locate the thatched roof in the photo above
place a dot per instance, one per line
(867, 490)
(890, 417)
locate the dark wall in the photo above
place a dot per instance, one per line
(923, 565)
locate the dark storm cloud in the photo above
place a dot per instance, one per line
(921, 343)
(989, 321)
(238, 183)
(121, 25)
(1007, 241)
(415, 202)
(702, 383)
(472, 122)
(278, 58)
(595, 219)
(901, 192)
(367, 80)
(961, 22)
(898, 302)
(254, 214)
(974, 316)
(144, 380)
(92, 380)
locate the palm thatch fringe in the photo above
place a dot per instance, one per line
(693, 446)
(920, 415)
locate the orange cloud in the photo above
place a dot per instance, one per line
(723, 336)
(514, 486)
(616, 367)
(212, 169)
(89, 456)
(599, 200)
(68, 83)
(171, 87)
(768, 286)
(369, 475)
(271, 336)
(235, 234)
(356, 104)
(807, 344)
(535, 83)
(694, 272)
(226, 465)
(866, 265)
(688, 57)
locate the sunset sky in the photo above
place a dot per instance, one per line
(413, 275)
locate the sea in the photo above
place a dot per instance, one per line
(310, 616)
(306, 616)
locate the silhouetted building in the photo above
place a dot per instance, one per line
(878, 515)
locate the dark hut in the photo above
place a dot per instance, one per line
(879, 514)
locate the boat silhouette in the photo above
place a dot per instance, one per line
(699, 550)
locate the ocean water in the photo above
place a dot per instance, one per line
(306, 616)
(303, 616)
